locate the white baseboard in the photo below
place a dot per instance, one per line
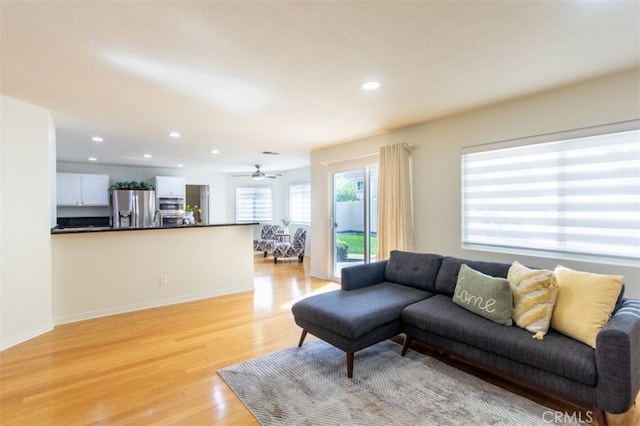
(322, 276)
(140, 306)
(23, 337)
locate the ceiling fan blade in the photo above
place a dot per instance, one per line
(258, 174)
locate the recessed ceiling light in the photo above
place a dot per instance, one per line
(180, 165)
(370, 85)
(174, 135)
(270, 153)
(215, 151)
(92, 159)
(147, 156)
(97, 139)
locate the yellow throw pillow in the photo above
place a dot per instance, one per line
(584, 304)
(534, 295)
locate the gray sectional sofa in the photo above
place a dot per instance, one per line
(411, 293)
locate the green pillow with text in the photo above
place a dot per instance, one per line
(484, 295)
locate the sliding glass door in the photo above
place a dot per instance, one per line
(354, 217)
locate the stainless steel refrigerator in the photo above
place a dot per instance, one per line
(133, 208)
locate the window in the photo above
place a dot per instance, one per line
(300, 203)
(575, 197)
(254, 204)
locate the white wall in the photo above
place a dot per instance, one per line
(53, 211)
(289, 178)
(103, 273)
(25, 242)
(436, 163)
(217, 185)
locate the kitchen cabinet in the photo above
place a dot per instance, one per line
(75, 189)
(168, 186)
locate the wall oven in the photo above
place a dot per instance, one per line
(172, 210)
(172, 221)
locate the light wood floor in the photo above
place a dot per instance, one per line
(158, 366)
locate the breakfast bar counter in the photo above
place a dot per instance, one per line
(57, 230)
(98, 272)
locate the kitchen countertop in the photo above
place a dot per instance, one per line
(56, 230)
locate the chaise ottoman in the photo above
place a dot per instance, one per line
(352, 320)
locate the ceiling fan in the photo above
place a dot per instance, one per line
(258, 174)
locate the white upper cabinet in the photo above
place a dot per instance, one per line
(167, 186)
(68, 189)
(75, 189)
(95, 190)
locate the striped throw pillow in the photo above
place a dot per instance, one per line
(534, 295)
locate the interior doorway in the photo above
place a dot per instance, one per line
(198, 195)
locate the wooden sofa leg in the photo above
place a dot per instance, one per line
(265, 254)
(350, 365)
(601, 417)
(304, 334)
(405, 346)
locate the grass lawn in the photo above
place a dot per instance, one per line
(356, 242)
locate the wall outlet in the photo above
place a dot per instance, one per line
(164, 280)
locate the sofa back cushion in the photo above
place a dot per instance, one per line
(448, 273)
(418, 270)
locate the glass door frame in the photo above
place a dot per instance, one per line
(366, 169)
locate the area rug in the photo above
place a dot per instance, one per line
(309, 386)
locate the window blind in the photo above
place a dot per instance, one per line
(254, 204)
(300, 203)
(578, 197)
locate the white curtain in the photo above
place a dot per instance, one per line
(395, 206)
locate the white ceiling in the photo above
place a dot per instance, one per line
(247, 77)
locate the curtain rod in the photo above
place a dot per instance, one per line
(355, 157)
(407, 147)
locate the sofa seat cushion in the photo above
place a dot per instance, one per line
(354, 313)
(555, 354)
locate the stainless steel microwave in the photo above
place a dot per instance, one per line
(171, 206)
